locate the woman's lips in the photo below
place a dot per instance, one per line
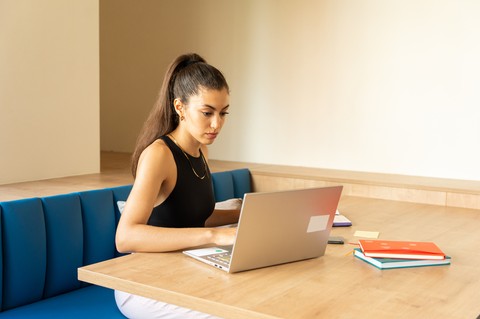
(212, 135)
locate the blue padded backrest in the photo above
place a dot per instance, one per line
(231, 184)
(24, 248)
(222, 186)
(63, 219)
(1, 260)
(242, 182)
(98, 225)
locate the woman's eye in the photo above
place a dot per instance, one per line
(208, 114)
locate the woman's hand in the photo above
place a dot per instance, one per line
(224, 236)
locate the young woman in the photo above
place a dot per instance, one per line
(171, 205)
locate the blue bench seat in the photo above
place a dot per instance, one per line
(45, 240)
(88, 302)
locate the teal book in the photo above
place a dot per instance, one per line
(391, 263)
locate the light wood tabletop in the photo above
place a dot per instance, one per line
(336, 285)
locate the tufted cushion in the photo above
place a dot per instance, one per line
(231, 184)
(223, 186)
(1, 260)
(241, 182)
(98, 225)
(63, 218)
(24, 248)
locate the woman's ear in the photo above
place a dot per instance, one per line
(178, 105)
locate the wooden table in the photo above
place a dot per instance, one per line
(336, 285)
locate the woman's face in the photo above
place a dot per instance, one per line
(205, 114)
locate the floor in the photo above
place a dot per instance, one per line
(115, 171)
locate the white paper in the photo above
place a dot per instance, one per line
(366, 234)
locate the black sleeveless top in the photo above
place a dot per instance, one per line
(191, 201)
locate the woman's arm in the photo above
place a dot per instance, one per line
(152, 185)
(221, 217)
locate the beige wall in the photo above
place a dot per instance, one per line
(49, 89)
(372, 85)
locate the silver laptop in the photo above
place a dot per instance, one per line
(276, 228)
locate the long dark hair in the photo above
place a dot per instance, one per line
(184, 77)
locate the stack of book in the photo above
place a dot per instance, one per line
(388, 254)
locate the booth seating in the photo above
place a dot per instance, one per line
(45, 240)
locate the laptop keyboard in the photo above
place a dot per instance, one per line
(222, 259)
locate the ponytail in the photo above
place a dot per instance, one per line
(185, 76)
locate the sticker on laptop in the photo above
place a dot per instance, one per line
(317, 223)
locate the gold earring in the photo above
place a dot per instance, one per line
(182, 118)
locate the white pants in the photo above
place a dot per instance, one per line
(133, 307)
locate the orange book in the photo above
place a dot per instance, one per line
(400, 249)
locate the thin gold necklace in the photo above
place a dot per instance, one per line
(188, 158)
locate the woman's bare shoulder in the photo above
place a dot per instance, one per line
(157, 149)
(156, 156)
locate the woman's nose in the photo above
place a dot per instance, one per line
(216, 122)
